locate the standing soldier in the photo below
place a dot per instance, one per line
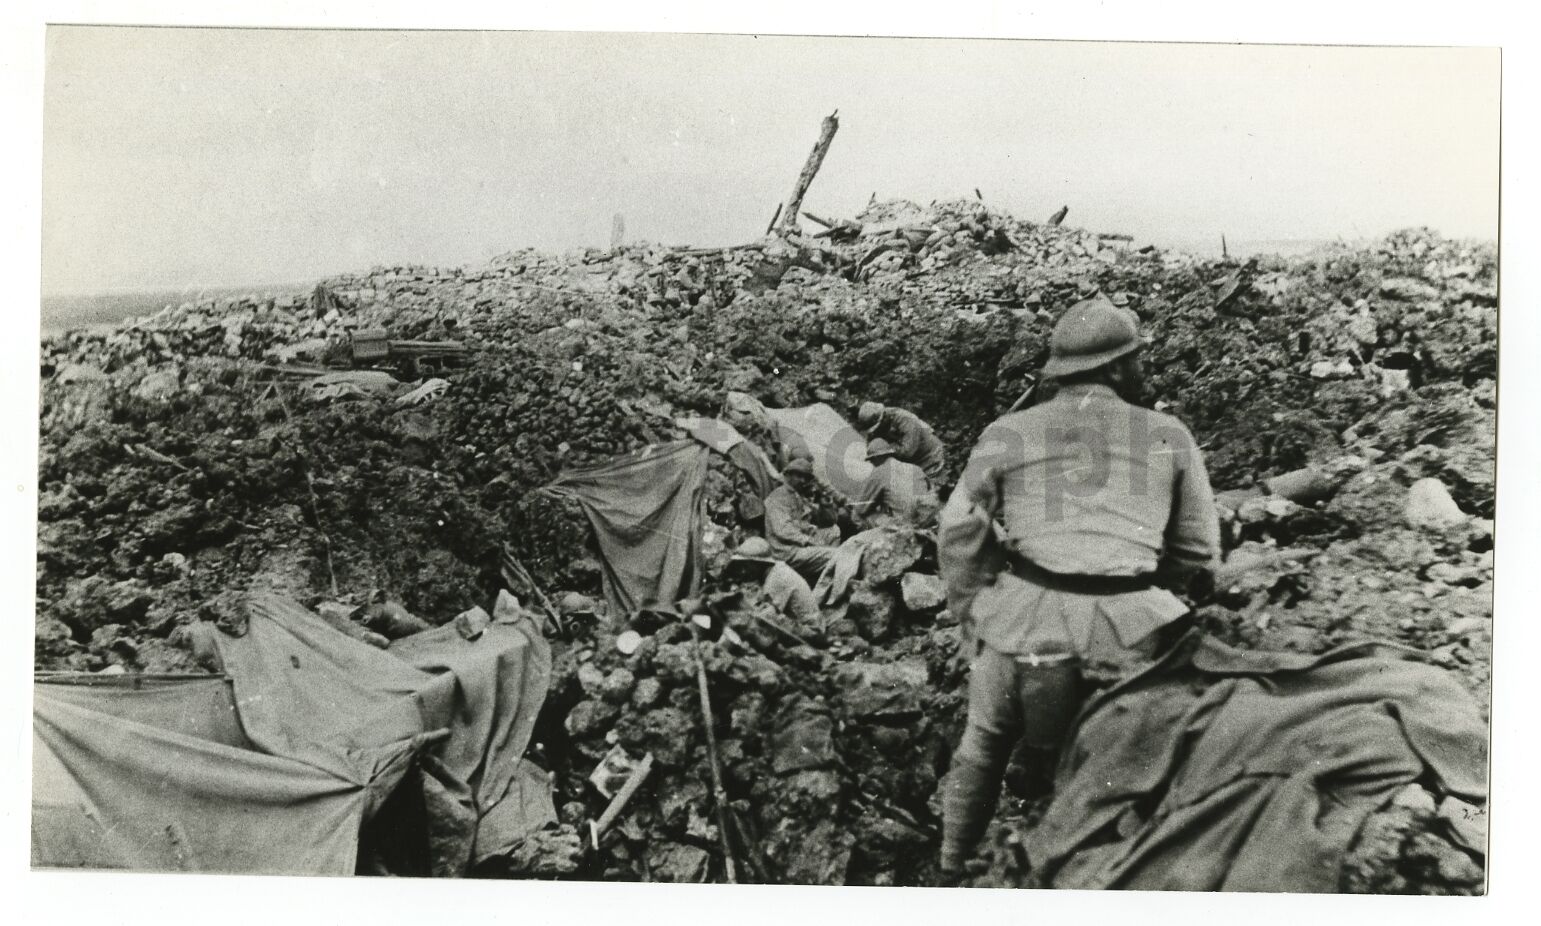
(1064, 519)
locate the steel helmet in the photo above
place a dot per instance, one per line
(1090, 334)
(878, 448)
(754, 549)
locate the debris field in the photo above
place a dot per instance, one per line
(1345, 401)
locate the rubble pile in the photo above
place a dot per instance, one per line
(1345, 400)
(817, 733)
(831, 745)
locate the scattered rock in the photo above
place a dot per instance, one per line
(888, 555)
(1302, 486)
(884, 692)
(802, 738)
(548, 853)
(923, 594)
(159, 385)
(872, 610)
(617, 686)
(1429, 505)
(590, 718)
(821, 855)
(393, 621)
(591, 677)
(667, 732)
(648, 692)
(341, 617)
(678, 864)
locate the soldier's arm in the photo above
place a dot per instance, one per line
(1193, 533)
(969, 555)
(911, 445)
(781, 525)
(871, 500)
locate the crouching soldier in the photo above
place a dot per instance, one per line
(1051, 546)
(895, 492)
(789, 529)
(913, 440)
(781, 584)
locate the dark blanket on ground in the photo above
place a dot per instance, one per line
(1218, 769)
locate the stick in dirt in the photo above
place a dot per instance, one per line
(719, 794)
(515, 573)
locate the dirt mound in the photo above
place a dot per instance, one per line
(183, 461)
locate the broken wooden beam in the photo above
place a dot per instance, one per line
(837, 229)
(622, 798)
(727, 249)
(793, 206)
(1059, 216)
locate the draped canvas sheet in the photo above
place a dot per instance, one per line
(154, 780)
(837, 450)
(647, 510)
(274, 767)
(1219, 769)
(723, 438)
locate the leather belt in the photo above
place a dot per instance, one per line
(1080, 584)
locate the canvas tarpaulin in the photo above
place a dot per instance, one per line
(1218, 769)
(647, 510)
(723, 438)
(155, 775)
(274, 766)
(496, 684)
(837, 450)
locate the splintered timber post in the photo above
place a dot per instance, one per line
(793, 206)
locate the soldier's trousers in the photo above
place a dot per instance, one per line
(810, 561)
(1009, 700)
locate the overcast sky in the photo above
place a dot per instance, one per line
(177, 157)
